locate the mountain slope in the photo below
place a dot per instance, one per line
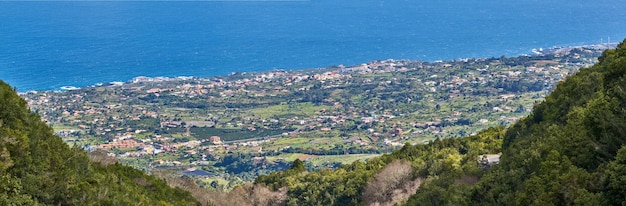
(38, 168)
(570, 150)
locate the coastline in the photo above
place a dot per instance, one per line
(138, 79)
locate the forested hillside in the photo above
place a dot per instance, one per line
(569, 151)
(38, 168)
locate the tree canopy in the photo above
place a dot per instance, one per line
(38, 168)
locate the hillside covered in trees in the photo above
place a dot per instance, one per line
(569, 151)
(38, 168)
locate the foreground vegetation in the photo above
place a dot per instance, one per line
(38, 168)
(570, 150)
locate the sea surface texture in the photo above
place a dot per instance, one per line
(45, 45)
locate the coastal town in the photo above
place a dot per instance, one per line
(236, 127)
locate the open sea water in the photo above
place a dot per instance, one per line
(48, 44)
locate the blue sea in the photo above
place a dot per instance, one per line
(48, 44)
